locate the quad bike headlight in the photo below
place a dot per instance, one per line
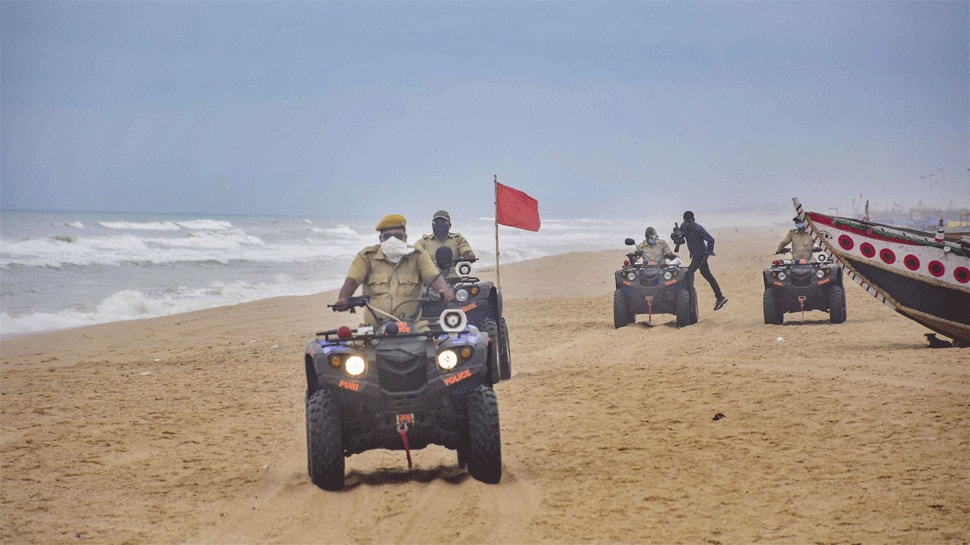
(820, 273)
(355, 366)
(782, 276)
(450, 358)
(631, 275)
(461, 295)
(447, 359)
(668, 275)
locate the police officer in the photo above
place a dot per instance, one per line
(442, 236)
(800, 239)
(392, 273)
(654, 248)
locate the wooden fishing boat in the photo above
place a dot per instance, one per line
(923, 276)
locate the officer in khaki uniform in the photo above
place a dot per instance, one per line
(654, 248)
(800, 239)
(442, 236)
(392, 273)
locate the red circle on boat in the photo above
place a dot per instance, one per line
(888, 256)
(867, 249)
(936, 268)
(911, 262)
(962, 274)
(845, 241)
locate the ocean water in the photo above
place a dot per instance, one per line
(61, 270)
(67, 269)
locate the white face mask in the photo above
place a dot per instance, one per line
(395, 248)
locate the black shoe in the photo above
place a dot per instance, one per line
(720, 302)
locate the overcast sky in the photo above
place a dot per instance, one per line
(596, 109)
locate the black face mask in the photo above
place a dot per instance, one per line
(440, 229)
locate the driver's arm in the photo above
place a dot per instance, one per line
(785, 242)
(465, 249)
(348, 289)
(442, 288)
(429, 271)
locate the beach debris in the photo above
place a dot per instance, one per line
(718, 416)
(146, 373)
(780, 340)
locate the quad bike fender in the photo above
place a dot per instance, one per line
(495, 298)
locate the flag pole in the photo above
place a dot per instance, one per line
(498, 274)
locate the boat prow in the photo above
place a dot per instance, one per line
(923, 276)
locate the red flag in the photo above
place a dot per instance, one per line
(515, 209)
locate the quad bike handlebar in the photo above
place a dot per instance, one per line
(787, 250)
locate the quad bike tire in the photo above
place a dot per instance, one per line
(837, 312)
(495, 345)
(484, 437)
(463, 448)
(694, 312)
(325, 458)
(683, 308)
(773, 316)
(505, 351)
(621, 313)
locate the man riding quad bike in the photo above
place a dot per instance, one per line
(481, 301)
(651, 287)
(401, 385)
(804, 284)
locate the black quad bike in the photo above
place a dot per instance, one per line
(401, 385)
(652, 288)
(481, 301)
(800, 285)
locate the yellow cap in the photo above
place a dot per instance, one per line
(392, 221)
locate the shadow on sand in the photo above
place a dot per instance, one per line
(383, 476)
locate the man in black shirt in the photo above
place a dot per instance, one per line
(701, 246)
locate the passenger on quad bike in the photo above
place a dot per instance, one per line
(398, 386)
(800, 239)
(392, 274)
(481, 300)
(442, 236)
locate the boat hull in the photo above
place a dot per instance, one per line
(923, 277)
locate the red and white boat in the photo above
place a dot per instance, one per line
(923, 276)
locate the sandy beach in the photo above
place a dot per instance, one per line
(190, 428)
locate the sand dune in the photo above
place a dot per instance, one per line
(190, 428)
